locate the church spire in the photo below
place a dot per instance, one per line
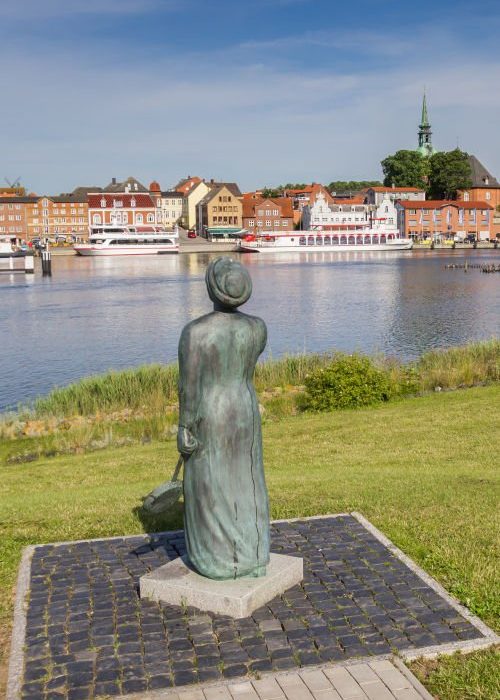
(425, 119)
(425, 146)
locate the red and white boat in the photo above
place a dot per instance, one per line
(377, 237)
(133, 240)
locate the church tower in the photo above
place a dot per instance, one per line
(425, 146)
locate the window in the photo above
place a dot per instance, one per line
(133, 202)
(103, 202)
(466, 196)
(425, 211)
(284, 222)
(259, 222)
(251, 222)
(18, 206)
(139, 218)
(488, 195)
(96, 219)
(268, 222)
(151, 218)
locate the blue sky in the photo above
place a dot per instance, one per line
(259, 92)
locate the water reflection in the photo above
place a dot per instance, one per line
(100, 313)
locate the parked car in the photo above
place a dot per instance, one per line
(191, 234)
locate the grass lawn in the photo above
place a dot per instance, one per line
(423, 470)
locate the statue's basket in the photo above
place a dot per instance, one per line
(164, 496)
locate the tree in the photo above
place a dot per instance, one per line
(405, 169)
(449, 171)
(352, 185)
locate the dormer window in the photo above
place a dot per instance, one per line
(117, 203)
(132, 202)
(103, 202)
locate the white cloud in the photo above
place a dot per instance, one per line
(86, 119)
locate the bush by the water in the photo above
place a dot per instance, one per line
(348, 381)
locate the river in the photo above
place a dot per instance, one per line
(95, 314)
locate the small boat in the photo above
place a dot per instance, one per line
(9, 250)
(134, 240)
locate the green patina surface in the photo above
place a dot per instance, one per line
(226, 511)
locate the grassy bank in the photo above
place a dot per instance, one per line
(153, 388)
(423, 470)
(137, 405)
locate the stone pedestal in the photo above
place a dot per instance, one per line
(177, 584)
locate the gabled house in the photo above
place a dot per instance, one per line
(485, 187)
(219, 213)
(120, 209)
(260, 214)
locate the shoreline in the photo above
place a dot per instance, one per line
(230, 247)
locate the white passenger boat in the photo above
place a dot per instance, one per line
(132, 240)
(375, 238)
(8, 249)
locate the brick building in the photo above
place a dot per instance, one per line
(46, 217)
(485, 187)
(260, 215)
(442, 219)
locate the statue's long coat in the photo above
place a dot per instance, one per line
(226, 510)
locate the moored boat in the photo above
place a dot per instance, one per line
(10, 250)
(365, 239)
(151, 240)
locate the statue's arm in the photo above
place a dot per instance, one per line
(262, 335)
(188, 393)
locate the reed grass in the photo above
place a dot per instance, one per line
(458, 367)
(152, 389)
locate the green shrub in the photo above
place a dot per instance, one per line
(348, 381)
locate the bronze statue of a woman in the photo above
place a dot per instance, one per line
(226, 510)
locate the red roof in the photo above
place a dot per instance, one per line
(284, 204)
(187, 184)
(142, 200)
(348, 200)
(440, 203)
(395, 189)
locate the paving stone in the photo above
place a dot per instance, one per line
(243, 691)
(315, 680)
(345, 685)
(217, 693)
(363, 673)
(294, 687)
(268, 689)
(356, 599)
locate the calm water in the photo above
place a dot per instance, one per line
(96, 313)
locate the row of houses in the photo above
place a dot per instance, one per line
(219, 209)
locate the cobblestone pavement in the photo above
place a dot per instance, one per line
(376, 680)
(88, 632)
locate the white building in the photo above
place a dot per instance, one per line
(376, 195)
(170, 209)
(325, 215)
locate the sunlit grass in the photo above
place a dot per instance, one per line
(423, 470)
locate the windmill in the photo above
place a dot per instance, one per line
(15, 183)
